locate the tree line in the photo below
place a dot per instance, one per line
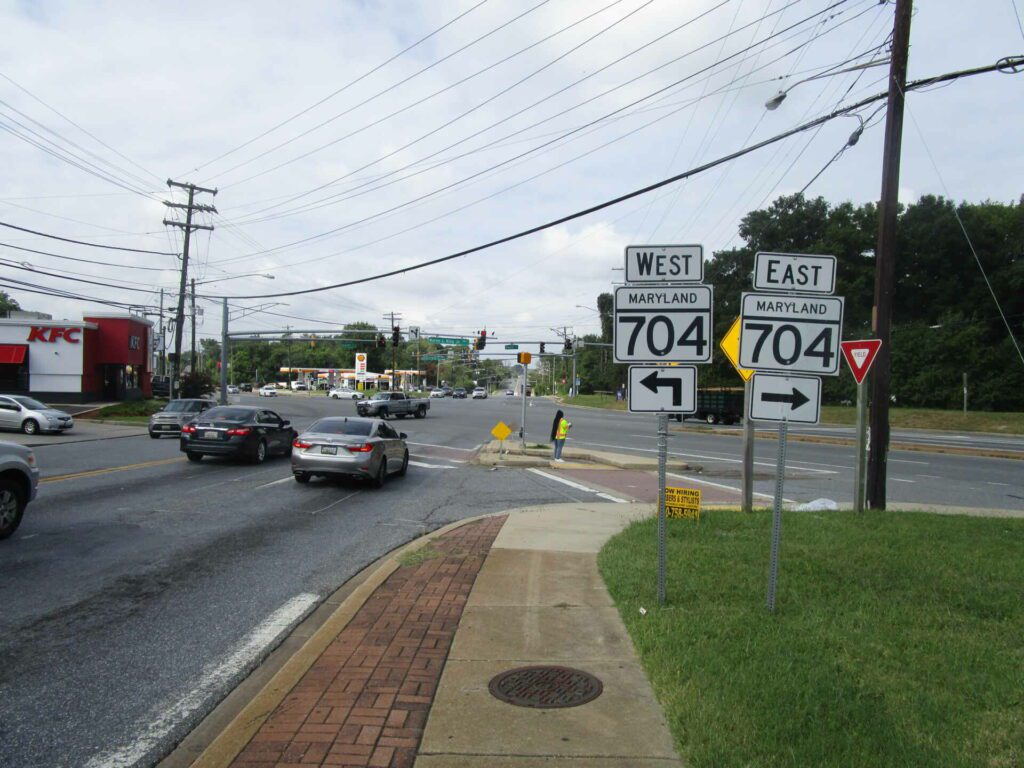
(945, 322)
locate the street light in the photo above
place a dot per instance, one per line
(774, 102)
(264, 275)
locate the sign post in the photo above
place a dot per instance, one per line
(780, 474)
(859, 356)
(662, 461)
(524, 360)
(730, 345)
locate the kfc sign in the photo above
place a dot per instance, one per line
(39, 333)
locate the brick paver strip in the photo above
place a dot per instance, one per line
(365, 701)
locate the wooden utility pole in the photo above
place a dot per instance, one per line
(885, 256)
(192, 336)
(188, 227)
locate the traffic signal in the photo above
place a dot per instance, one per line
(396, 336)
(542, 347)
(381, 341)
(481, 342)
(568, 344)
(524, 358)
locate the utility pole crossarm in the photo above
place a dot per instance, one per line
(189, 227)
(192, 187)
(196, 207)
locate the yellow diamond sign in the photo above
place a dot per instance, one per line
(501, 431)
(730, 344)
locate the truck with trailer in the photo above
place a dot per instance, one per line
(718, 405)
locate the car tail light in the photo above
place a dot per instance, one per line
(188, 429)
(296, 443)
(363, 448)
(239, 432)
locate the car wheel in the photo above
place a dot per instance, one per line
(383, 413)
(259, 454)
(192, 456)
(421, 412)
(405, 465)
(30, 427)
(711, 418)
(382, 474)
(302, 477)
(154, 435)
(12, 506)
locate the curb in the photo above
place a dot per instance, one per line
(250, 715)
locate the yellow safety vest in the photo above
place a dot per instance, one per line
(563, 430)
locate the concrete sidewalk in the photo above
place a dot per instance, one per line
(398, 675)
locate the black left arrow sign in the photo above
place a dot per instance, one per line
(795, 400)
(654, 382)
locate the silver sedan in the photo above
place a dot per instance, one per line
(342, 446)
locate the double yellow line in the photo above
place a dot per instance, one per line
(108, 470)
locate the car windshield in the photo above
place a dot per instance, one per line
(182, 406)
(28, 402)
(381, 396)
(342, 427)
(227, 414)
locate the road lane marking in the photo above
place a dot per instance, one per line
(447, 447)
(577, 486)
(989, 482)
(428, 466)
(931, 477)
(171, 713)
(726, 487)
(901, 480)
(274, 482)
(714, 458)
(335, 503)
(910, 461)
(108, 470)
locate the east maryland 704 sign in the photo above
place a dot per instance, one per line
(669, 324)
(791, 333)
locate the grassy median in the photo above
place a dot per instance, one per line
(899, 639)
(129, 411)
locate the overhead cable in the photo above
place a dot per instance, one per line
(82, 242)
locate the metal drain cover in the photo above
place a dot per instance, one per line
(547, 687)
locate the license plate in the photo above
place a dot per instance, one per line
(330, 450)
(210, 435)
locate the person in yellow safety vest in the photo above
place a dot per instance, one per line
(561, 432)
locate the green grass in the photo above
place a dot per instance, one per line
(597, 401)
(898, 641)
(934, 418)
(129, 410)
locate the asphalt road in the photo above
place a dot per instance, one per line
(141, 588)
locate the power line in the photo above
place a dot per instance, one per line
(85, 261)
(1001, 65)
(351, 83)
(20, 285)
(82, 242)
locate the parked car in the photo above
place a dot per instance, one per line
(245, 387)
(232, 389)
(30, 416)
(479, 393)
(344, 393)
(349, 447)
(19, 481)
(173, 416)
(509, 393)
(268, 390)
(299, 386)
(239, 432)
(437, 392)
(459, 393)
(447, 391)
(385, 404)
(161, 386)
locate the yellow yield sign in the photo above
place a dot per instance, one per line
(730, 344)
(501, 431)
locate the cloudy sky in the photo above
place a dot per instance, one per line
(351, 138)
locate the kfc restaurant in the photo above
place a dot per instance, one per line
(104, 357)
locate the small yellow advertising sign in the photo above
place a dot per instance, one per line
(682, 502)
(501, 431)
(730, 345)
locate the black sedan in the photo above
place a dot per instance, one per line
(237, 431)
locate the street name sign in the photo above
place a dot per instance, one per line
(682, 502)
(511, 346)
(664, 263)
(785, 398)
(730, 345)
(447, 340)
(860, 355)
(791, 334)
(656, 389)
(794, 272)
(663, 324)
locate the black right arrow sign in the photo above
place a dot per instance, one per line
(795, 400)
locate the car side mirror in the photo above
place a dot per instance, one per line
(285, 424)
(402, 435)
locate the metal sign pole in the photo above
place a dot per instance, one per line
(860, 464)
(780, 474)
(662, 458)
(748, 450)
(526, 381)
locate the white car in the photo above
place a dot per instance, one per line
(437, 393)
(479, 393)
(268, 391)
(344, 393)
(232, 389)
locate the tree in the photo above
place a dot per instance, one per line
(8, 303)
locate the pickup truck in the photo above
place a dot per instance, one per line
(385, 404)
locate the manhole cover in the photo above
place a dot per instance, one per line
(545, 687)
